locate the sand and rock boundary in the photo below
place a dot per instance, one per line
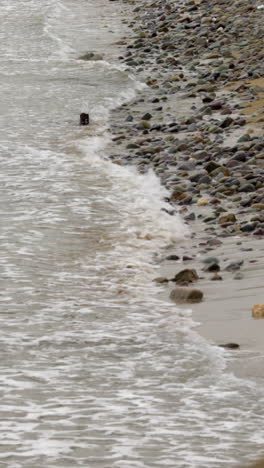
(198, 124)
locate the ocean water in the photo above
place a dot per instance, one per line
(96, 370)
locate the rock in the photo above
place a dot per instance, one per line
(212, 267)
(184, 295)
(147, 116)
(229, 218)
(229, 346)
(186, 258)
(258, 311)
(247, 188)
(234, 266)
(91, 56)
(248, 227)
(216, 105)
(190, 217)
(84, 119)
(227, 122)
(185, 276)
(172, 257)
(203, 201)
(161, 280)
(211, 166)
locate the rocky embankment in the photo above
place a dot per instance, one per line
(198, 123)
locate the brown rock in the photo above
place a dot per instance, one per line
(229, 218)
(186, 276)
(258, 311)
(184, 295)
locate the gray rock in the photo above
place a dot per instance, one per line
(234, 266)
(185, 295)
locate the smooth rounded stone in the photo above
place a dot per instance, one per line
(247, 187)
(240, 156)
(216, 105)
(232, 163)
(234, 266)
(172, 257)
(186, 276)
(249, 227)
(132, 146)
(228, 218)
(206, 179)
(185, 295)
(230, 346)
(203, 201)
(258, 311)
(244, 138)
(211, 166)
(196, 176)
(220, 170)
(212, 267)
(147, 116)
(200, 155)
(187, 166)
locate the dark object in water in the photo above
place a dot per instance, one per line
(229, 345)
(84, 119)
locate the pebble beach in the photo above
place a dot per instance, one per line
(198, 124)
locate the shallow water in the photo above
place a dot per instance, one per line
(96, 370)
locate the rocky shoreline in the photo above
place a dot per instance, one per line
(198, 124)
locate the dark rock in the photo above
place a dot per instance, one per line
(186, 258)
(172, 257)
(229, 346)
(250, 227)
(84, 119)
(211, 166)
(147, 116)
(227, 122)
(212, 267)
